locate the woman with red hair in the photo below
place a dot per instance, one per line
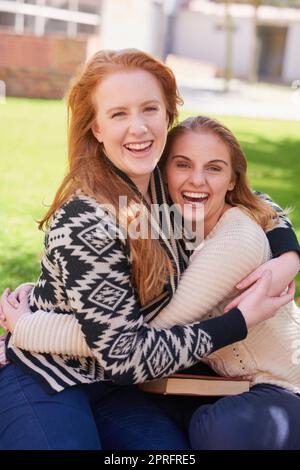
(100, 274)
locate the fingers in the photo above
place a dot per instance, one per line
(4, 302)
(13, 300)
(6, 292)
(291, 288)
(4, 296)
(285, 298)
(280, 301)
(263, 284)
(23, 299)
(235, 302)
(2, 318)
(23, 288)
(9, 300)
(249, 280)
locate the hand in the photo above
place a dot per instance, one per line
(284, 269)
(258, 305)
(10, 314)
(14, 297)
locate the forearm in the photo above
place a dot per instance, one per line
(44, 332)
(183, 346)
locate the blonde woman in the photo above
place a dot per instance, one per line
(205, 166)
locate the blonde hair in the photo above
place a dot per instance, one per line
(241, 195)
(89, 170)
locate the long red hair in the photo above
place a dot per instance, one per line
(89, 172)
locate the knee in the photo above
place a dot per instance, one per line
(217, 427)
(204, 430)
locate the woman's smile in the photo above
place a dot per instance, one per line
(199, 174)
(139, 149)
(195, 198)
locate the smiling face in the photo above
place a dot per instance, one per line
(131, 122)
(199, 174)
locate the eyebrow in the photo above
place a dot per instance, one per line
(119, 108)
(216, 160)
(180, 156)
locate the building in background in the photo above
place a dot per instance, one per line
(200, 33)
(43, 41)
(46, 17)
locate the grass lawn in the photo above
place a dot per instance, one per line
(32, 163)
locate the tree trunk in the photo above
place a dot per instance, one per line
(256, 46)
(229, 45)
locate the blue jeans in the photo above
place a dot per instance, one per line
(265, 418)
(92, 416)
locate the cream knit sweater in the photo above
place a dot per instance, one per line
(232, 250)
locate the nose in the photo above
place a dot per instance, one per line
(138, 126)
(197, 178)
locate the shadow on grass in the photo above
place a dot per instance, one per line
(274, 167)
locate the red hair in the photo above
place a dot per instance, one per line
(90, 173)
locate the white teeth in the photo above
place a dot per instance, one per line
(196, 195)
(141, 146)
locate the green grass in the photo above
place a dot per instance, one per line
(33, 162)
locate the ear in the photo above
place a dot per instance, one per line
(97, 132)
(231, 186)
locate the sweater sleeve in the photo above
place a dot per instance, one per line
(96, 274)
(50, 332)
(282, 238)
(233, 250)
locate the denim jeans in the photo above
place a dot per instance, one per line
(265, 418)
(90, 416)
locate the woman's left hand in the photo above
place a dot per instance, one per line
(10, 314)
(283, 269)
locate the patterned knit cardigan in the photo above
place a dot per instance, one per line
(86, 273)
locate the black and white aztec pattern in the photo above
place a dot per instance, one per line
(284, 221)
(89, 276)
(86, 272)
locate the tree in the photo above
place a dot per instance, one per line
(229, 45)
(255, 43)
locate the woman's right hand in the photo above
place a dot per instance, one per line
(10, 314)
(258, 306)
(15, 296)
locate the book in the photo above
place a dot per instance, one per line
(186, 383)
(183, 384)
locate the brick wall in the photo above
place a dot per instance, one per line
(39, 67)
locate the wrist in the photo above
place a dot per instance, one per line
(17, 322)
